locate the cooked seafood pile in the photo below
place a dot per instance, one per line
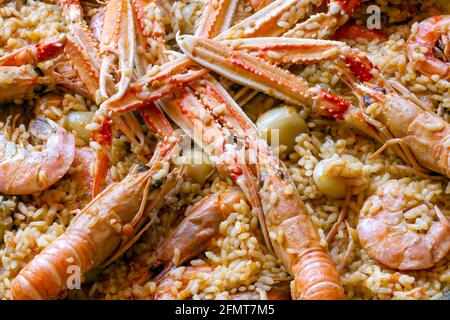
(224, 149)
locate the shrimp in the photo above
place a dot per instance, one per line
(27, 170)
(196, 231)
(102, 231)
(385, 234)
(428, 47)
(169, 286)
(283, 217)
(423, 136)
(193, 234)
(21, 83)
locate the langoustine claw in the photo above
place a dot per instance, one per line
(30, 170)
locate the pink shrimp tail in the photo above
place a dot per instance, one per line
(46, 276)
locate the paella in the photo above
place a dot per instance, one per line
(224, 149)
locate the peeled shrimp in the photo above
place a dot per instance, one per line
(26, 170)
(385, 234)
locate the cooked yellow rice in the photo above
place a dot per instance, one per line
(239, 257)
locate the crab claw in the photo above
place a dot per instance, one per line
(154, 86)
(246, 69)
(33, 54)
(261, 75)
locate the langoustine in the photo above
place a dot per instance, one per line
(299, 244)
(194, 234)
(418, 136)
(283, 216)
(102, 231)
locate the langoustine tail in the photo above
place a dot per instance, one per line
(43, 277)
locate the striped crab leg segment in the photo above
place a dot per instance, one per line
(261, 75)
(272, 21)
(288, 50)
(217, 18)
(33, 54)
(156, 120)
(247, 70)
(297, 51)
(82, 51)
(216, 99)
(149, 16)
(81, 48)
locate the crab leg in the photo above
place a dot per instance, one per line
(151, 30)
(247, 70)
(267, 22)
(118, 42)
(217, 18)
(150, 88)
(288, 50)
(319, 26)
(33, 54)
